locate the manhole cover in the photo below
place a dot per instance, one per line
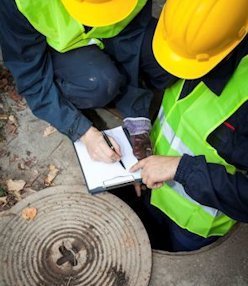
(75, 239)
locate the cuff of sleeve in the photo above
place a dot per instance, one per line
(137, 125)
(80, 125)
(183, 168)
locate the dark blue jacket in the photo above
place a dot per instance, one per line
(210, 184)
(25, 54)
(28, 57)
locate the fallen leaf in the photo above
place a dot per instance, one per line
(15, 185)
(13, 120)
(28, 163)
(14, 158)
(53, 172)
(10, 128)
(3, 201)
(21, 166)
(21, 105)
(29, 213)
(3, 83)
(35, 172)
(49, 131)
(12, 93)
(4, 117)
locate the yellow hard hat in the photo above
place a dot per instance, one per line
(193, 36)
(97, 13)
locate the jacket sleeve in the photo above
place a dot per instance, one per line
(210, 185)
(26, 55)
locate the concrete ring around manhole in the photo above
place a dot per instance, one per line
(75, 239)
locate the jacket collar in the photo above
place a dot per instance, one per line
(217, 78)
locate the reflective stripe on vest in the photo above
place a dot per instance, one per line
(171, 137)
(63, 32)
(183, 126)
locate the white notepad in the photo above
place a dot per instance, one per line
(101, 176)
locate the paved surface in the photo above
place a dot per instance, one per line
(26, 154)
(224, 264)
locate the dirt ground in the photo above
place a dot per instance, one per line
(29, 157)
(10, 104)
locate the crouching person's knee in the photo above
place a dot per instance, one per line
(107, 82)
(93, 89)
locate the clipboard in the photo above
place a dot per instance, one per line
(100, 176)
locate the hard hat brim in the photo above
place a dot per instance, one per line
(101, 14)
(176, 64)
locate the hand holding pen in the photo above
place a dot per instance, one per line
(98, 148)
(106, 138)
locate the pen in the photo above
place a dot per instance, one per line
(111, 146)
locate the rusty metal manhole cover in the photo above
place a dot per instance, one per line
(75, 239)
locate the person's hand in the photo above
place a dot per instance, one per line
(156, 170)
(139, 188)
(97, 147)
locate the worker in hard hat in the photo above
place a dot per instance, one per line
(200, 136)
(69, 56)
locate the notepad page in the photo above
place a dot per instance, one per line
(97, 173)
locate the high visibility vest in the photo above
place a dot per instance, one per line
(62, 31)
(182, 127)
